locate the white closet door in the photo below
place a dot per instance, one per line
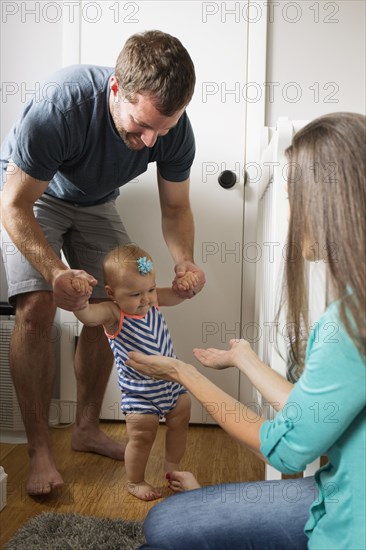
(217, 45)
(217, 41)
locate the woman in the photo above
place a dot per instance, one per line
(324, 412)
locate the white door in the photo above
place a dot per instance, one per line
(216, 36)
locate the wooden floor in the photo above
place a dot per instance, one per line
(95, 485)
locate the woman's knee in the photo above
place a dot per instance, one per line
(158, 522)
(226, 516)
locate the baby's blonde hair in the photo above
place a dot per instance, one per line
(121, 258)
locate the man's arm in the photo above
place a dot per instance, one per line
(18, 197)
(178, 229)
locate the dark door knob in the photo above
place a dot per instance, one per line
(227, 179)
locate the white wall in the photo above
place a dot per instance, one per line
(30, 49)
(316, 58)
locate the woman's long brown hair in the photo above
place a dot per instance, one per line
(327, 197)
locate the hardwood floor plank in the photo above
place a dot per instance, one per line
(96, 485)
(5, 449)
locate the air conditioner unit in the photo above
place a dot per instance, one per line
(11, 424)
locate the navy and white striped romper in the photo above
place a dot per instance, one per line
(150, 335)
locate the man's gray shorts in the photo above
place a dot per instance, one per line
(84, 234)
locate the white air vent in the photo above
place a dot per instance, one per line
(271, 238)
(11, 424)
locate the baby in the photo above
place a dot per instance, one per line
(133, 322)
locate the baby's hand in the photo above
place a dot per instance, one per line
(81, 285)
(187, 282)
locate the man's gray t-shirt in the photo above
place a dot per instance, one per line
(66, 136)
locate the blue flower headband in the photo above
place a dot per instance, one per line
(144, 265)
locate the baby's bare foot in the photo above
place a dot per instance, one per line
(182, 481)
(143, 490)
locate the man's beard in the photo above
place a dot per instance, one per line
(131, 140)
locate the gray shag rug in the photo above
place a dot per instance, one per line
(52, 531)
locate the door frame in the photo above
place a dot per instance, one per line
(257, 15)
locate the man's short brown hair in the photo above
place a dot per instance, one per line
(156, 64)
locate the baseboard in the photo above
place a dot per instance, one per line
(67, 411)
(54, 415)
(13, 437)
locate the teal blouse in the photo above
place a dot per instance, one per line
(325, 414)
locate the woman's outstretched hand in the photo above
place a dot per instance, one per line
(222, 359)
(155, 366)
(170, 368)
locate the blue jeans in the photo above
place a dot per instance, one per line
(264, 515)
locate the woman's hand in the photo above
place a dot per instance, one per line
(206, 392)
(274, 388)
(156, 366)
(222, 359)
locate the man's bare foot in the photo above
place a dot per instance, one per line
(182, 481)
(44, 476)
(143, 490)
(96, 442)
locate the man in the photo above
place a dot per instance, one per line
(92, 130)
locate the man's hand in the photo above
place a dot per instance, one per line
(72, 289)
(189, 280)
